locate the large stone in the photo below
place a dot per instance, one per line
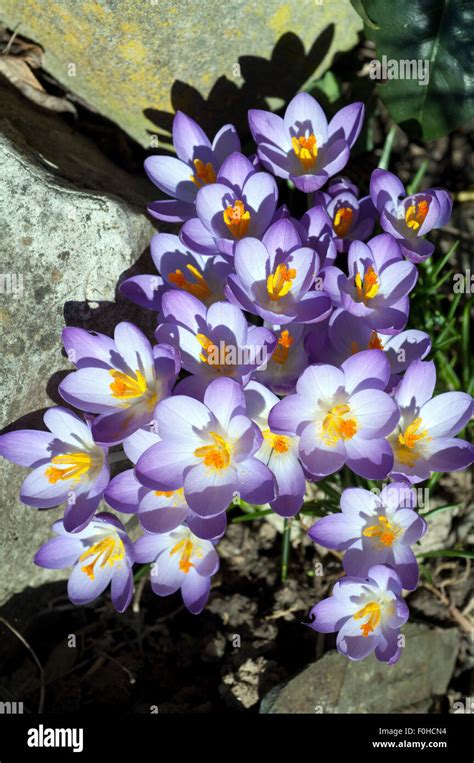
(137, 61)
(333, 684)
(64, 243)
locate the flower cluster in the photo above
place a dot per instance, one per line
(281, 355)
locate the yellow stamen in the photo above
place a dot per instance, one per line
(336, 427)
(204, 173)
(280, 353)
(110, 549)
(186, 547)
(406, 445)
(198, 288)
(278, 442)
(384, 532)
(342, 221)
(76, 465)
(415, 214)
(411, 436)
(125, 387)
(280, 282)
(368, 286)
(216, 457)
(169, 493)
(237, 219)
(372, 611)
(306, 149)
(375, 343)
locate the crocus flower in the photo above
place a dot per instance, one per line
(180, 561)
(353, 219)
(279, 452)
(274, 278)
(68, 466)
(377, 286)
(375, 529)
(425, 438)
(240, 203)
(342, 416)
(213, 342)
(409, 218)
(180, 268)
(122, 379)
(367, 613)
(303, 146)
(196, 164)
(158, 511)
(349, 334)
(287, 362)
(208, 449)
(100, 554)
(319, 235)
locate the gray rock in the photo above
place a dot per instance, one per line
(64, 242)
(333, 684)
(137, 61)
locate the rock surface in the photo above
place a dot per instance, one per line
(333, 684)
(139, 60)
(64, 242)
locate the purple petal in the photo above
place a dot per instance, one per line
(26, 447)
(347, 123)
(172, 176)
(366, 370)
(144, 290)
(384, 187)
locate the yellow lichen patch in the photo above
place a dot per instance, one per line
(217, 456)
(372, 612)
(338, 426)
(306, 149)
(69, 466)
(415, 214)
(237, 219)
(280, 282)
(109, 550)
(368, 285)
(342, 221)
(198, 287)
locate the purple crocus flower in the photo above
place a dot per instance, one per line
(181, 560)
(279, 452)
(319, 235)
(196, 164)
(342, 416)
(367, 613)
(425, 438)
(349, 334)
(287, 362)
(274, 278)
(122, 379)
(240, 203)
(375, 529)
(213, 342)
(158, 511)
(377, 286)
(100, 554)
(353, 219)
(68, 466)
(180, 268)
(208, 449)
(409, 218)
(303, 146)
